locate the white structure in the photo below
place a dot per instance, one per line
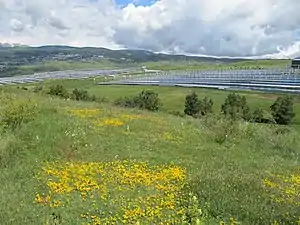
(150, 71)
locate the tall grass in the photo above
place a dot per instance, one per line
(227, 163)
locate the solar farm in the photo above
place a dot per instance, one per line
(274, 80)
(68, 74)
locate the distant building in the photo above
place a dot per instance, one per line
(296, 63)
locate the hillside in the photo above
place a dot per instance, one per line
(22, 55)
(74, 162)
(16, 60)
(20, 60)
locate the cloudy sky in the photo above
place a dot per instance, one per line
(199, 27)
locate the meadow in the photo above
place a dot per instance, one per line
(73, 162)
(161, 65)
(250, 64)
(173, 97)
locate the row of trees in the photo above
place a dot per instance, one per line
(236, 107)
(76, 94)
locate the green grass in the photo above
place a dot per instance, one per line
(172, 97)
(251, 64)
(226, 162)
(162, 65)
(61, 65)
(69, 65)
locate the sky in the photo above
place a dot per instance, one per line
(234, 28)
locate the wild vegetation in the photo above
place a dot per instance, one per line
(28, 60)
(68, 159)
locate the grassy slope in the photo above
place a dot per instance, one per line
(197, 65)
(60, 65)
(228, 176)
(164, 65)
(173, 97)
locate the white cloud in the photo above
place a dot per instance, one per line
(206, 27)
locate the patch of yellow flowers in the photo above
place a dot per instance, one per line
(112, 122)
(285, 189)
(125, 192)
(84, 113)
(94, 114)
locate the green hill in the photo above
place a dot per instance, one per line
(73, 162)
(26, 60)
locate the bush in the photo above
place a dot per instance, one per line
(80, 95)
(258, 116)
(59, 90)
(192, 105)
(37, 89)
(149, 100)
(235, 107)
(17, 112)
(195, 107)
(128, 102)
(206, 106)
(146, 100)
(282, 110)
(221, 129)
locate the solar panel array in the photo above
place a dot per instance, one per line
(286, 80)
(68, 74)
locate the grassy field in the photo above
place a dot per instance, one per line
(172, 97)
(251, 64)
(64, 164)
(59, 66)
(162, 65)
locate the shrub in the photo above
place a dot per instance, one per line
(146, 100)
(80, 95)
(206, 106)
(16, 112)
(37, 89)
(59, 90)
(282, 110)
(258, 116)
(235, 107)
(128, 102)
(192, 105)
(195, 107)
(149, 100)
(221, 129)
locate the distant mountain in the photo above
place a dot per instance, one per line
(15, 54)
(11, 45)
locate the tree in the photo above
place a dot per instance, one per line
(282, 110)
(79, 95)
(149, 100)
(59, 90)
(192, 105)
(236, 107)
(258, 116)
(206, 106)
(128, 102)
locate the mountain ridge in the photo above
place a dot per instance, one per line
(21, 54)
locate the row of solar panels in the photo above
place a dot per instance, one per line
(240, 71)
(70, 74)
(271, 87)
